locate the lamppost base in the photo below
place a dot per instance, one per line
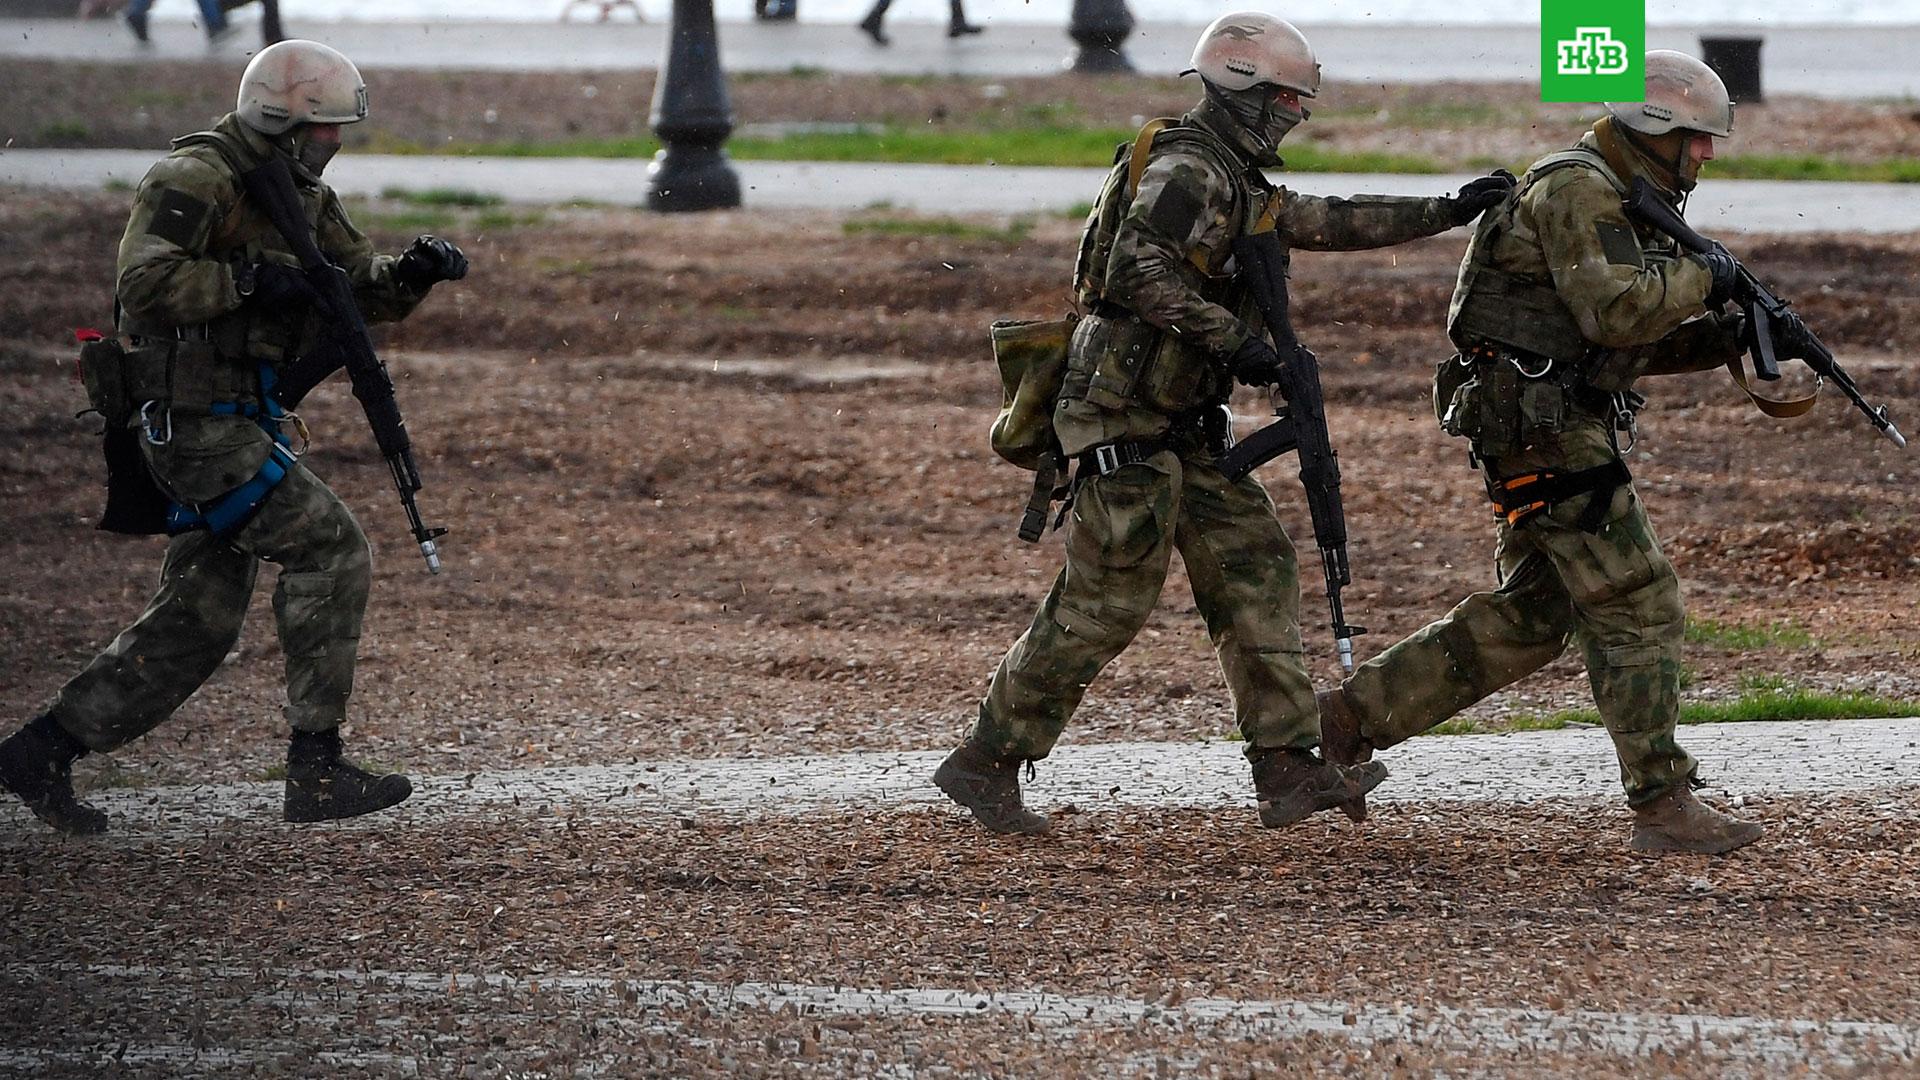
(692, 178)
(1100, 59)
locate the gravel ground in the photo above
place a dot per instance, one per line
(611, 944)
(718, 486)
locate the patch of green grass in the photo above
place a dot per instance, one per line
(1014, 232)
(274, 773)
(1521, 722)
(61, 131)
(1746, 637)
(418, 220)
(117, 185)
(1812, 167)
(1041, 144)
(1761, 698)
(1079, 211)
(442, 197)
(501, 220)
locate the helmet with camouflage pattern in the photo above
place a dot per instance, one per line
(1245, 49)
(1682, 94)
(300, 82)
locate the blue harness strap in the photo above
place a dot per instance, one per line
(224, 516)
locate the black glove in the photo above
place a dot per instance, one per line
(276, 287)
(428, 261)
(1726, 274)
(1256, 364)
(1791, 338)
(1475, 196)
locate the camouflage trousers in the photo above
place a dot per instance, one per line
(1125, 528)
(194, 619)
(1612, 590)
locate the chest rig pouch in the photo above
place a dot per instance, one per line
(1523, 365)
(1119, 360)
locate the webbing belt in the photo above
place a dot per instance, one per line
(226, 514)
(1519, 498)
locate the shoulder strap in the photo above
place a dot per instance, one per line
(1578, 155)
(1143, 150)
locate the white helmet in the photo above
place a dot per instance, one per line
(1682, 93)
(300, 82)
(1245, 49)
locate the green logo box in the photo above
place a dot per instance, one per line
(1593, 50)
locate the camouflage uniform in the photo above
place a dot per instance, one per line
(190, 234)
(1143, 368)
(1562, 304)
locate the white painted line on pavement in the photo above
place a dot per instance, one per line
(1775, 1042)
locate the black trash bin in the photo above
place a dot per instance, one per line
(1737, 61)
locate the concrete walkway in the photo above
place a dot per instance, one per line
(1847, 756)
(1771, 206)
(1842, 62)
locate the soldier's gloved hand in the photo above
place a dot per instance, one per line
(1726, 275)
(1255, 363)
(1475, 196)
(428, 261)
(1791, 338)
(276, 287)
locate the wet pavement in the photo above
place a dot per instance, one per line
(1769, 206)
(1833, 61)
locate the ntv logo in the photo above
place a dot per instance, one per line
(1593, 51)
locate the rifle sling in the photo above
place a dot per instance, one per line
(1778, 409)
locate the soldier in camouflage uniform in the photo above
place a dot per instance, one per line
(1562, 304)
(1142, 410)
(210, 296)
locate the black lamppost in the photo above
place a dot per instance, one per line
(692, 117)
(1099, 27)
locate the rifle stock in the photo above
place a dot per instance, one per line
(271, 188)
(1301, 427)
(1766, 312)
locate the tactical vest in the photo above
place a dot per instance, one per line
(242, 335)
(1117, 360)
(1520, 310)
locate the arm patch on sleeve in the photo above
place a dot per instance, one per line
(1174, 212)
(178, 218)
(1620, 244)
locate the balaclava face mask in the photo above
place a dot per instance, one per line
(310, 153)
(1259, 114)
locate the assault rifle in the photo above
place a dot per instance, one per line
(1301, 426)
(1767, 314)
(271, 188)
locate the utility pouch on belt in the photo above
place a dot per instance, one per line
(1499, 403)
(135, 504)
(1032, 357)
(103, 372)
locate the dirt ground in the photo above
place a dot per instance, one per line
(720, 485)
(1428, 909)
(1458, 126)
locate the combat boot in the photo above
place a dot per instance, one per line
(323, 786)
(1341, 742)
(36, 764)
(1676, 821)
(988, 787)
(1293, 785)
(871, 27)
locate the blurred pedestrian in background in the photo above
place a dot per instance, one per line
(957, 24)
(213, 18)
